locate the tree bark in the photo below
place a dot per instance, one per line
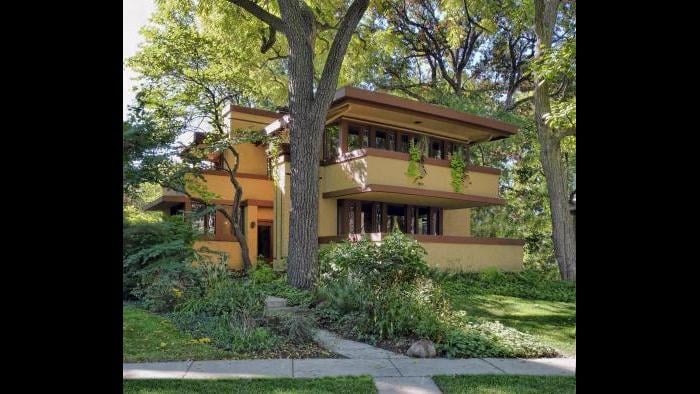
(308, 108)
(563, 231)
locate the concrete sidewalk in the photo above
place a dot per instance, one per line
(378, 368)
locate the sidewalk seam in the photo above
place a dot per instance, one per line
(395, 367)
(504, 372)
(189, 365)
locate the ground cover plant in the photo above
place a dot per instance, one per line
(194, 293)
(385, 294)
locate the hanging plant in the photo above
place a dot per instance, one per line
(458, 164)
(416, 153)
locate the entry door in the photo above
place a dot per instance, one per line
(265, 240)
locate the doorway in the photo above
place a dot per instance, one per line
(265, 240)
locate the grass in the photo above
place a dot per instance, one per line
(499, 384)
(149, 337)
(549, 315)
(360, 384)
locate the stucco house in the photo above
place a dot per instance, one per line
(364, 186)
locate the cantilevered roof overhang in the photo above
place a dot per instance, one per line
(408, 195)
(387, 110)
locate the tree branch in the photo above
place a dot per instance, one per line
(258, 12)
(329, 77)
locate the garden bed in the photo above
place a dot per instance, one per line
(149, 337)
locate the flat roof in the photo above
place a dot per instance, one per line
(388, 100)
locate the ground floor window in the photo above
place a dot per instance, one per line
(203, 219)
(358, 217)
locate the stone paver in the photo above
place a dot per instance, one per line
(165, 370)
(351, 349)
(272, 368)
(313, 368)
(406, 385)
(539, 366)
(443, 366)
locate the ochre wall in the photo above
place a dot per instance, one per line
(474, 257)
(374, 170)
(457, 222)
(232, 248)
(253, 159)
(255, 189)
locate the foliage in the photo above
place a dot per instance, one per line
(416, 169)
(458, 170)
(350, 384)
(505, 384)
(263, 273)
(149, 337)
(529, 284)
(297, 329)
(397, 259)
(133, 215)
(384, 292)
(158, 255)
(229, 313)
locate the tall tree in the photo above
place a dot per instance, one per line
(550, 132)
(309, 101)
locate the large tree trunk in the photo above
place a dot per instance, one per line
(563, 232)
(303, 222)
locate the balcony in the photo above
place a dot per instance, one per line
(380, 175)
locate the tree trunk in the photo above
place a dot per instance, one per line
(303, 222)
(563, 232)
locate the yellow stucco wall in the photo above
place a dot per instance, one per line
(474, 257)
(457, 222)
(232, 248)
(253, 159)
(375, 170)
(256, 189)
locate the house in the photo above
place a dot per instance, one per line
(364, 186)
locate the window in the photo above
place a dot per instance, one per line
(396, 216)
(358, 137)
(422, 217)
(203, 219)
(404, 142)
(366, 217)
(363, 217)
(332, 142)
(380, 139)
(436, 149)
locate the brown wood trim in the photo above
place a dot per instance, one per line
(444, 239)
(415, 192)
(265, 222)
(257, 203)
(343, 138)
(255, 111)
(387, 100)
(360, 153)
(238, 174)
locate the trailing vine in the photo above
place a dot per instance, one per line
(458, 165)
(416, 153)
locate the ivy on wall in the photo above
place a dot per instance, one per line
(416, 153)
(458, 166)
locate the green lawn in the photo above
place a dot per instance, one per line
(499, 384)
(149, 337)
(354, 385)
(553, 322)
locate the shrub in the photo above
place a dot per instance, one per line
(226, 332)
(296, 328)
(230, 297)
(157, 251)
(397, 259)
(211, 272)
(263, 273)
